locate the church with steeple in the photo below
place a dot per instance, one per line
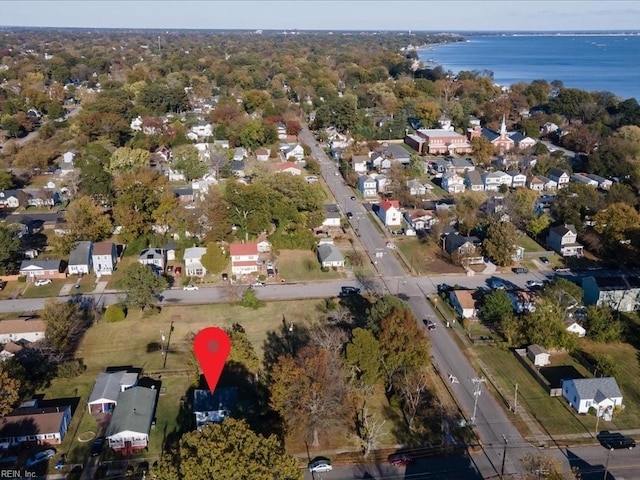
(503, 141)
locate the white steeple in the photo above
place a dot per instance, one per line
(503, 127)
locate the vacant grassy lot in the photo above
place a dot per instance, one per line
(302, 265)
(425, 257)
(553, 413)
(529, 244)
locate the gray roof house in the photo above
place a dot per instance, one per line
(131, 422)
(330, 256)
(107, 389)
(602, 394)
(34, 269)
(621, 292)
(213, 407)
(80, 258)
(193, 261)
(155, 257)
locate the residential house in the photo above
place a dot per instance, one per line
(419, 219)
(170, 250)
(494, 180)
(244, 258)
(603, 183)
(381, 183)
(80, 258)
(523, 301)
(202, 129)
(452, 183)
(330, 256)
(549, 184)
(10, 350)
(367, 186)
(396, 153)
(602, 394)
(620, 292)
(184, 194)
(535, 183)
(175, 175)
(130, 424)
(464, 303)
(224, 144)
(560, 176)
(332, 217)
(264, 246)
(37, 269)
(359, 163)
(193, 262)
(13, 198)
(107, 390)
(538, 355)
(379, 162)
(239, 154)
(457, 165)
(517, 179)
(288, 167)
(574, 327)
(156, 258)
(473, 181)
(35, 426)
(584, 180)
(41, 198)
(21, 329)
(293, 152)
(389, 213)
(563, 240)
(213, 407)
(416, 188)
(104, 258)
(237, 168)
(520, 141)
(262, 154)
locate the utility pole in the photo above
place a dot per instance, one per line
(166, 351)
(504, 455)
(515, 400)
(606, 466)
(477, 390)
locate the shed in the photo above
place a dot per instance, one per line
(538, 355)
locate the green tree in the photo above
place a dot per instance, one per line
(186, 160)
(309, 393)
(382, 308)
(500, 242)
(142, 285)
(242, 350)
(602, 326)
(86, 221)
(137, 197)
(65, 323)
(363, 355)
(95, 181)
(6, 180)
(545, 326)
(114, 313)
(215, 261)
(467, 209)
(126, 159)
(228, 451)
(10, 247)
(483, 150)
(495, 306)
(9, 390)
(521, 207)
(616, 222)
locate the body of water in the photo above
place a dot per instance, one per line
(589, 62)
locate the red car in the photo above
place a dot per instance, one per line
(400, 459)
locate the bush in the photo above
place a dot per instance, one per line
(22, 279)
(71, 368)
(114, 313)
(250, 300)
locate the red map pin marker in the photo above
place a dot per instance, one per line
(212, 347)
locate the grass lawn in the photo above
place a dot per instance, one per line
(50, 290)
(125, 343)
(425, 257)
(529, 244)
(12, 289)
(553, 413)
(302, 265)
(87, 283)
(628, 371)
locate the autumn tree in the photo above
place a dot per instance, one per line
(214, 260)
(186, 160)
(616, 223)
(309, 393)
(242, 351)
(65, 323)
(521, 205)
(216, 220)
(482, 150)
(500, 242)
(467, 210)
(9, 391)
(382, 308)
(228, 451)
(142, 285)
(85, 221)
(538, 466)
(126, 159)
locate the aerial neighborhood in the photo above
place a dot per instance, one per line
(338, 208)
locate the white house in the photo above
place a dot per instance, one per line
(601, 394)
(538, 355)
(420, 219)
(584, 179)
(563, 239)
(367, 186)
(603, 183)
(522, 301)
(389, 213)
(517, 179)
(416, 188)
(452, 182)
(535, 183)
(292, 152)
(202, 129)
(561, 177)
(473, 181)
(29, 329)
(192, 257)
(332, 217)
(619, 292)
(264, 246)
(107, 389)
(154, 257)
(80, 258)
(130, 424)
(575, 328)
(359, 163)
(494, 180)
(244, 258)
(464, 303)
(288, 167)
(262, 154)
(330, 256)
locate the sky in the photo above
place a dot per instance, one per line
(417, 15)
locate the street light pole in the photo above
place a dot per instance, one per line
(606, 465)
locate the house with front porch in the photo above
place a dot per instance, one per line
(13, 198)
(389, 213)
(419, 219)
(560, 176)
(193, 261)
(367, 186)
(600, 394)
(107, 389)
(40, 269)
(535, 183)
(129, 428)
(494, 180)
(517, 179)
(244, 258)
(155, 258)
(563, 240)
(104, 257)
(452, 183)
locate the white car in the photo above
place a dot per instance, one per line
(257, 284)
(320, 465)
(534, 283)
(40, 457)
(42, 281)
(189, 288)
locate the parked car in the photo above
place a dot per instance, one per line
(561, 269)
(615, 440)
(520, 270)
(190, 288)
(534, 284)
(544, 260)
(443, 287)
(40, 457)
(353, 197)
(177, 270)
(400, 459)
(496, 283)
(349, 215)
(257, 284)
(96, 446)
(349, 291)
(320, 464)
(42, 281)
(169, 268)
